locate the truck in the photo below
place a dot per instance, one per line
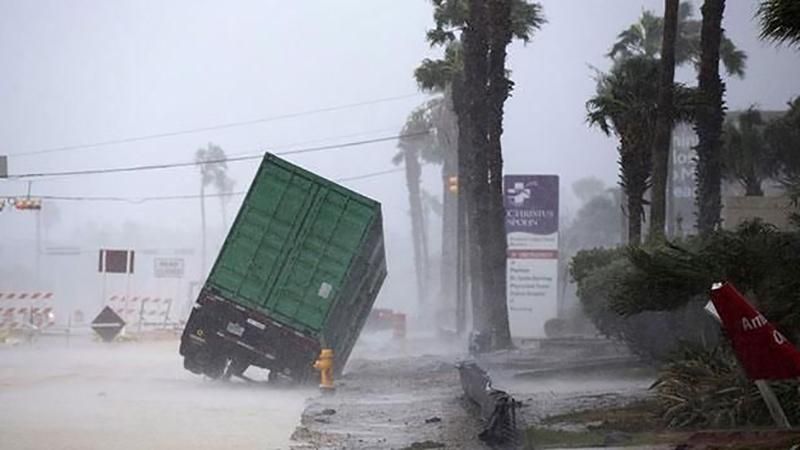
(298, 272)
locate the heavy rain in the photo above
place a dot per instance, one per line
(418, 224)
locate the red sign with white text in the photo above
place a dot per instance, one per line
(762, 350)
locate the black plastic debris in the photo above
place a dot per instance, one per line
(497, 408)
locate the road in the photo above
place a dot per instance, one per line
(133, 395)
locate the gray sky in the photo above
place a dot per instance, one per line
(86, 71)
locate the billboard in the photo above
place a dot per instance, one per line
(531, 203)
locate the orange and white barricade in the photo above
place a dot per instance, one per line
(33, 308)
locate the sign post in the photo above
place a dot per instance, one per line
(531, 203)
(116, 261)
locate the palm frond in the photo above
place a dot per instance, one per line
(780, 21)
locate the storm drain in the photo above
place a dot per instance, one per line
(498, 410)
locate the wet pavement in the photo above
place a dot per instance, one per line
(133, 395)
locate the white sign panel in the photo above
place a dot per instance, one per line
(531, 203)
(168, 267)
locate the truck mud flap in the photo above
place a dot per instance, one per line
(498, 409)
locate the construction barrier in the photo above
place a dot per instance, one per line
(141, 309)
(18, 309)
(498, 409)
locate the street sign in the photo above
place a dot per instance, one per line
(168, 267)
(764, 352)
(531, 204)
(107, 324)
(115, 261)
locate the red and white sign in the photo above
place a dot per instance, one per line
(762, 350)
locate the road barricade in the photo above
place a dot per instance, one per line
(26, 309)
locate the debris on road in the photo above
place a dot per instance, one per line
(497, 408)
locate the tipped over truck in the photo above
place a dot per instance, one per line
(298, 272)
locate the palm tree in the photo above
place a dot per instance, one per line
(780, 21)
(783, 138)
(416, 146)
(709, 117)
(626, 105)
(645, 37)
(745, 155)
(501, 31)
(213, 170)
(463, 27)
(664, 121)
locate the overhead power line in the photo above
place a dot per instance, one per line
(190, 196)
(146, 137)
(212, 161)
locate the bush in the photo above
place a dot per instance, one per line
(705, 388)
(758, 259)
(653, 335)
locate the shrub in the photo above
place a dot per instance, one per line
(705, 388)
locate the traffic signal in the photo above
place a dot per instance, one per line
(2, 203)
(452, 184)
(28, 204)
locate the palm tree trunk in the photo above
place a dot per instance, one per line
(752, 186)
(224, 209)
(203, 228)
(498, 91)
(635, 207)
(710, 115)
(415, 205)
(464, 251)
(663, 131)
(475, 76)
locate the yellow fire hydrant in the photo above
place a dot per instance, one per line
(325, 366)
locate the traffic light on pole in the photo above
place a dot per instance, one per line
(2, 203)
(28, 204)
(452, 184)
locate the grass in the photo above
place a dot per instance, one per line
(633, 424)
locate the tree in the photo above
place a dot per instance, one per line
(418, 144)
(745, 155)
(677, 44)
(587, 188)
(710, 114)
(783, 139)
(470, 30)
(664, 121)
(780, 21)
(625, 105)
(213, 170)
(645, 38)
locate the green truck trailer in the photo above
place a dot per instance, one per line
(299, 271)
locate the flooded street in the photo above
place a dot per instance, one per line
(133, 395)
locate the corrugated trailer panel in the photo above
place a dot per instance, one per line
(300, 270)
